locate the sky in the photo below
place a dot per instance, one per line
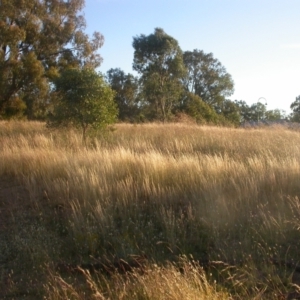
(257, 41)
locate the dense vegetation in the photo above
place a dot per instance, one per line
(41, 40)
(151, 211)
(158, 201)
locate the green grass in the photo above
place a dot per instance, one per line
(180, 195)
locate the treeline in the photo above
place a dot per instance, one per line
(171, 82)
(41, 41)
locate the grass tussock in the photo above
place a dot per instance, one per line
(162, 191)
(167, 282)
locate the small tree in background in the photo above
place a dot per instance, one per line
(246, 114)
(199, 110)
(274, 115)
(295, 107)
(126, 88)
(83, 100)
(230, 111)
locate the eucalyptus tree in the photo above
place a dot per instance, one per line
(207, 77)
(158, 59)
(38, 39)
(274, 115)
(295, 107)
(246, 113)
(231, 112)
(258, 112)
(126, 87)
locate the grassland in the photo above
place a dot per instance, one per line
(190, 212)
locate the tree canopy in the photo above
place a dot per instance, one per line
(42, 42)
(84, 100)
(126, 87)
(274, 115)
(207, 77)
(295, 107)
(158, 58)
(39, 39)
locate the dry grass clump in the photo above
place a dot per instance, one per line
(167, 282)
(162, 190)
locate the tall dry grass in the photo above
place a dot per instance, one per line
(163, 190)
(158, 282)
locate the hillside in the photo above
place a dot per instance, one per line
(149, 211)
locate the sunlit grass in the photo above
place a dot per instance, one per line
(163, 190)
(167, 282)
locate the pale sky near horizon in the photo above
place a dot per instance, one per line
(257, 41)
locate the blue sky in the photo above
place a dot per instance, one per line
(257, 41)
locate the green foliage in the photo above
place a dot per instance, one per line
(246, 113)
(294, 117)
(158, 58)
(295, 107)
(231, 112)
(206, 77)
(84, 100)
(275, 115)
(258, 112)
(38, 39)
(126, 87)
(14, 109)
(199, 110)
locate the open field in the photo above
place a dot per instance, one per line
(178, 211)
